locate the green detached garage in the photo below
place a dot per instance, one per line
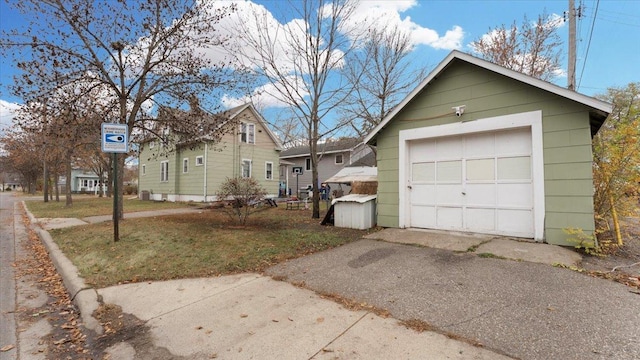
(480, 148)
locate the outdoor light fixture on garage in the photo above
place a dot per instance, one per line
(459, 109)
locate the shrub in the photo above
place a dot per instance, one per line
(244, 196)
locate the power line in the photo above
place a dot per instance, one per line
(584, 62)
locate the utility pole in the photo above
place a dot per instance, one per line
(571, 76)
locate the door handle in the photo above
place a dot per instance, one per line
(409, 187)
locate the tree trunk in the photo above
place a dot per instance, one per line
(616, 223)
(57, 185)
(313, 150)
(67, 185)
(45, 184)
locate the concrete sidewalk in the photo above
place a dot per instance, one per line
(58, 223)
(249, 316)
(509, 248)
(246, 316)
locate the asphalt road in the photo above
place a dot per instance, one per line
(521, 309)
(7, 277)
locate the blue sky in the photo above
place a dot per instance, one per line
(611, 35)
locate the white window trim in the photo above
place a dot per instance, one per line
(185, 161)
(307, 161)
(245, 126)
(335, 159)
(250, 167)
(164, 178)
(266, 165)
(199, 160)
(143, 169)
(532, 119)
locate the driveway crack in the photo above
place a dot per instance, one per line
(340, 335)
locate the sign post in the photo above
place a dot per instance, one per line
(297, 171)
(115, 140)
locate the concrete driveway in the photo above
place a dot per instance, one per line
(521, 309)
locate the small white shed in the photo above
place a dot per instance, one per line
(355, 211)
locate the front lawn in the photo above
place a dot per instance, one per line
(91, 205)
(195, 245)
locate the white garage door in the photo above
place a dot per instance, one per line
(479, 182)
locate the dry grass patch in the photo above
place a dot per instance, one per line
(90, 205)
(194, 245)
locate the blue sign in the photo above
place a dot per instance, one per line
(115, 138)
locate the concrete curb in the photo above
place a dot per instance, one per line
(83, 296)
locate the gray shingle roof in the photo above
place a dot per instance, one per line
(333, 146)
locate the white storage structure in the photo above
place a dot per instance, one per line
(355, 211)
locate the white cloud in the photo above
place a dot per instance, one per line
(8, 111)
(251, 17)
(265, 96)
(388, 14)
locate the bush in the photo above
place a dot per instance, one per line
(244, 196)
(130, 189)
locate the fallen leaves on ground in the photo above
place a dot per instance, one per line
(67, 339)
(7, 348)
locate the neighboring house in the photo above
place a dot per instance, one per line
(480, 148)
(195, 172)
(82, 181)
(11, 181)
(334, 155)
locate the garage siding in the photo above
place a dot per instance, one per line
(566, 140)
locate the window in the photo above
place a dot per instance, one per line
(164, 171)
(199, 160)
(339, 159)
(185, 165)
(165, 137)
(268, 166)
(144, 169)
(245, 168)
(307, 164)
(248, 133)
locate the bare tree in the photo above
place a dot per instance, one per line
(300, 60)
(23, 155)
(533, 48)
(141, 52)
(381, 68)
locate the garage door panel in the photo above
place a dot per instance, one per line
(513, 142)
(481, 195)
(448, 148)
(515, 222)
(480, 145)
(449, 218)
(478, 182)
(480, 219)
(422, 150)
(423, 194)
(514, 168)
(423, 171)
(449, 171)
(515, 195)
(449, 194)
(480, 169)
(423, 216)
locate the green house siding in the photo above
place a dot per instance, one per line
(566, 140)
(221, 160)
(151, 180)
